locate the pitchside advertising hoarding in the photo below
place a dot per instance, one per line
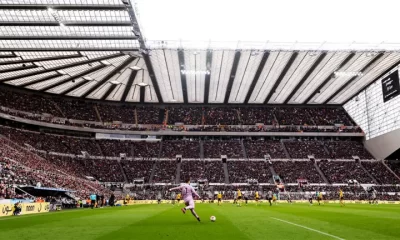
(27, 208)
(391, 86)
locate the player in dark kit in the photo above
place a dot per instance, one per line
(269, 198)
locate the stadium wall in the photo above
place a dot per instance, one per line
(379, 119)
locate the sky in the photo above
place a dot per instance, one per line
(339, 21)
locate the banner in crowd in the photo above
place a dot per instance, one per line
(26, 208)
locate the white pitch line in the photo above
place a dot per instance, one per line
(311, 229)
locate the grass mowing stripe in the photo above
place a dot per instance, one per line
(311, 229)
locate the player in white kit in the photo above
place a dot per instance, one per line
(187, 195)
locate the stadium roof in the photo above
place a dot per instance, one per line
(96, 50)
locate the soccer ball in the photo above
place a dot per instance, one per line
(213, 218)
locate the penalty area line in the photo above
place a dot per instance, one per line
(311, 229)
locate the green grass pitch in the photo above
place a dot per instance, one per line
(284, 221)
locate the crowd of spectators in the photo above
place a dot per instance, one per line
(250, 116)
(114, 148)
(188, 149)
(186, 115)
(302, 149)
(344, 171)
(76, 109)
(329, 116)
(242, 171)
(146, 150)
(214, 171)
(148, 115)
(193, 170)
(139, 169)
(222, 116)
(110, 113)
(291, 171)
(258, 149)
(380, 173)
(26, 168)
(27, 103)
(395, 166)
(347, 149)
(165, 172)
(214, 149)
(293, 116)
(81, 110)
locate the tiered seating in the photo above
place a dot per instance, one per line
(113, 148)
(187, 149)
(222, 116)
(395, 166)
(251, 116)
(137, 169)
(165, 172)
(347, 149)
(109, 113)
(258, 149)
(146, 149)
(214, 171)
(36, 169)
(329, 116)
(293, 116)
(192, 170)
(342, 172)
(28, 103)
(187, 115)
(301, 149)
(380, 173)
(214, 149)
(290, 171)
(77, 109)
(148, 115)
(241, 171)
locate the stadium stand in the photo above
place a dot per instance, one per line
(344, 171)
(291, 172)
(258, 149)
(214, 149)
(302, 149)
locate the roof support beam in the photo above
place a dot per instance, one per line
(76, 86)
(68, 37)
(42, 59)
(232, 76)
(73, 78)
(40, 80)
(69, 49)
(208, 76)
(143, 49)
(62, 67)
(129, 84)
(62, 7)
(305, 77)
(256, 76)
(152, 75)
(17, 68)
(109, 91)
(281, 76)
(318, 89)
(181, 57)
(71, 24)
(142, 93)
(376, 58)
(8, 55)
(380, 76)
(108, 76)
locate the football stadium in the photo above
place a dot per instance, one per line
(183, 119)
